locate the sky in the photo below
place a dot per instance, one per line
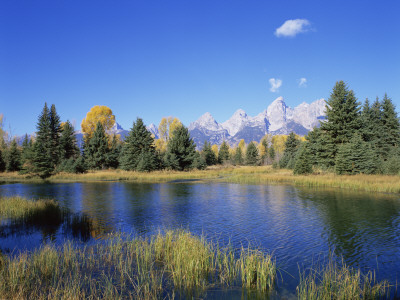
(152, 59)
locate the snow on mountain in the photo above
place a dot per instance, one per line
(308, 115)
(206, 121)
(277, 114)
(278, 118)
(154, 130)
(236, 122)
(206, 128)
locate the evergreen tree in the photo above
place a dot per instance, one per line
(356, 157)
(181, 150)
(68, 144)
(138, 152)
(252, 157)
(291, 146)
(42, 149)
(199, 162)
(271, 154)
(55, 131)
(265, 155)
(2, 161)
(367, 124)
(223, 154)
(304, 162)
(238, 159)
(391, 126)
(392, 165)
(13, 161)
(96, 149)
(27, 155)
(208, 154)
(114, 153)
(342, 121)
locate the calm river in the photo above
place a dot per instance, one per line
(299, 226)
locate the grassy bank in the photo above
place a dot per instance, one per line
(245, 175)
(171, 264)
(21, 208)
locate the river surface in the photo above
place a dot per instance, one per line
(299, 226)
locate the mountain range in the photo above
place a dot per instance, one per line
(278, 118)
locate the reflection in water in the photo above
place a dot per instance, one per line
(296, 224)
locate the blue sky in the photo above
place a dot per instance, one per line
(152, 59)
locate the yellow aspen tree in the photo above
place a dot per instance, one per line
(98, 113)
(214, 148)
(167, 127)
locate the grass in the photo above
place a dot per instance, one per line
(163, 266)
(47, 211)
(341, 282)
(243, 175)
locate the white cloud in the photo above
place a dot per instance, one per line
(275, 84)
(293, 27)
(302, 82)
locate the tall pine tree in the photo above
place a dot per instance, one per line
(223, 154)
(42, 149)
(68, 143)
(252, 157)
(208, 154)
(181, 150)
(96, 149)
(55, 129)
(342, 121)
(138, 152)
(13, 161)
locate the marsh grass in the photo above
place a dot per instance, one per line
(162, 266)
(339, 281)
(234, 174)
(38, 211)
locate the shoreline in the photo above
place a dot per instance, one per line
(241, 175)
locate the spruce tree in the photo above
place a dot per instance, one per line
(68, 144)
(181, 150)
(223, 154)
(13, 161)
(356, 157)
(55, 129)
(96, 149)
(42, 149)
(138, 152)
(27, 155)
(304, 162)
(252, 157)
(114, 153)
(2, 161)
(199, 162)
(291, 146)
(342, 121)
(208, 154)
(238, 158)
(391, 126)
(392, 164)
(271, 153)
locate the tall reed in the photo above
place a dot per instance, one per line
(165, 265)
(336, 281)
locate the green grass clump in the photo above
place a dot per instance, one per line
(163, 266)
(341, 282)
(35, 210)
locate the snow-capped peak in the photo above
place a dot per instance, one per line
(236, 122)
(206, 121)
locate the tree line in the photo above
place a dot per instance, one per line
(353, 139)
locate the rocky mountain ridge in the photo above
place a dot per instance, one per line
(278, 118)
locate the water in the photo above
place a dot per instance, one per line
(299, 226)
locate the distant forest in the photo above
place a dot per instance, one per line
(355, 138)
